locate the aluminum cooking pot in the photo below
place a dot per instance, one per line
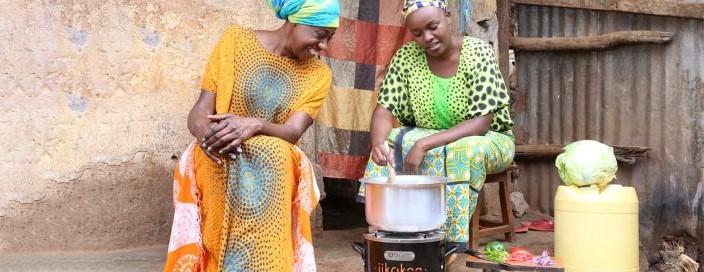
(410, 204)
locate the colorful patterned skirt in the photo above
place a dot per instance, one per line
(251, 215)
(468, 159)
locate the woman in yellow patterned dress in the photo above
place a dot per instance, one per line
(243, 192)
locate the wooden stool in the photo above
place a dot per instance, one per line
(491, 228)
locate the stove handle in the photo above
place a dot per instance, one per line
(360, 248)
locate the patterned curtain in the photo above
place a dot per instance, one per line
(370, 32)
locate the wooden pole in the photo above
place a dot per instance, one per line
(604, 41)
(503, 14)
(624, 154)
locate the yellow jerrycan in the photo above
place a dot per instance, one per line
(597, 229)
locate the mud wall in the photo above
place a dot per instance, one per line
(94, 98)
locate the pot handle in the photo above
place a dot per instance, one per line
(451, 250)
(360, 248)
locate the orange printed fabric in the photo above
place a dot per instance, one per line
(239, 67)
(185, 245)
(186, 251)
(251, 214)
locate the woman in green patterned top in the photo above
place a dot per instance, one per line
(448, 94)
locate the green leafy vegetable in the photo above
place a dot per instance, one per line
(495, 245)
(496, 256)
(495, 252)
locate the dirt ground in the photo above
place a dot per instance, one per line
(344, 224)
(333, 253)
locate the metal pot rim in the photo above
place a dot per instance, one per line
(432, 236)
(408, 181)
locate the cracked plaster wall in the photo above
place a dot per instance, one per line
(94, 97)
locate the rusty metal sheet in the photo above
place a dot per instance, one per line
(639, 95)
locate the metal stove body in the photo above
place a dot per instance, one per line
(384, 251)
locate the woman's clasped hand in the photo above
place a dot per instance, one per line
(227, 133)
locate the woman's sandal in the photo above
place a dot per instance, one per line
(542, 225)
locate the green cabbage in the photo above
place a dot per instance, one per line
(587, 162)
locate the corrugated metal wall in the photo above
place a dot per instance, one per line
(640, 95)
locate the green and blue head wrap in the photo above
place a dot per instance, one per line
(320, 13)
(412, 5)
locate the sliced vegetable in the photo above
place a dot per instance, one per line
(519, 254)
(544, 259)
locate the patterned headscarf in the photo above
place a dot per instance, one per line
(412, 5)
(321, 13)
